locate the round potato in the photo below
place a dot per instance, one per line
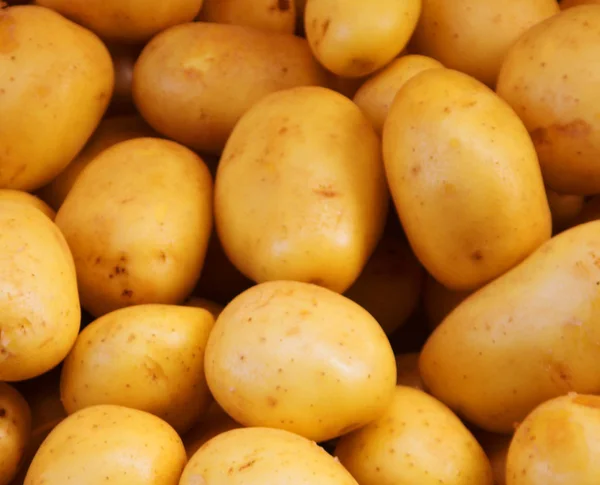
(107, 444)
(138, 220)
(564, 209)
(15, 431)
(56, 82)
(271, 15)
(417, 440)
(550, 78)
(26, 198)
(407, 370)
(255, 456)
(439, 301)
(212, 307)
(193, 82)
(487, 227)
(299, 357)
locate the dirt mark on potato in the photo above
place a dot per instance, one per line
(544, 136)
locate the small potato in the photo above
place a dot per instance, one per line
(113, 445)
(496, 449)
(353, 38)
(213, 308)
(256, 456)
(193, 82)
(26, 198)
(417, 440)
(574, 3)
(138, 220)
(407, 370)
(15, 431)
(564, 209)
(376, 95)
(271, 15)
(439, 301)
(299, 357)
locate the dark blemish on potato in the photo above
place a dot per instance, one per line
(575, 129)
(284, 70)
(272, 401)
(283, 130)
(447, 109)
(325, 27)
(362, 65)
(242, 358)
(162, 256)
(98, 260)
(326, 191)
(415, 169)
(246, 465)
(283, 5)
(477, 255)
(120, 270)
(126, 200)
(127, 293)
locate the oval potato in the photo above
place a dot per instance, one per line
(27, 198)
(270, 15)
(15, 432)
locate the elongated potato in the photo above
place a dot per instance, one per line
(15, 432)
(270, 15)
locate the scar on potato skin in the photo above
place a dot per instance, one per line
(127, 293)
(577, 128)
(246, 465)
(272, 401)
(326, 191)
(477, 255)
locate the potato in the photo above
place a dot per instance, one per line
(407, 370)
(138, 220)
(376, 95)
(439, 301)
(147, 357)
(110, 132)
(26, 198)
(574, 3)
(57, 79)
(127, 21)
(38, 300)
(354, 38)
(487, 227)
(255, 456)
(417, 440)
(473, 36)
(299, 357)
(212, 307)
(549, 77)
(564, 209)
(270, 15)
(109, 445)
(390, 284)
(496, 449)
(537, 323)
(15, 431)
(193, 82)
(300, 192)
(557, 444)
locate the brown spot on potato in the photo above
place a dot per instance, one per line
(98, 260)
(326, 191)
(283, 5)
(588, 401)
(362, 65)
(477, 255)
(544, 136)
(2, 412)
(131, 338)
(283, 130)
(162, 256)
(415, 169)
(127, 293)
(271, 401)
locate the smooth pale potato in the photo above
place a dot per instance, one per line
(212, 307)
(26, 198)
(38, 299)
(146, 357)
(473, 36)
(389, 286)
(56, 83)
(550, 77)
(407, 370)
(138, 220)
(439, 301)
(445, 130)
(574, 3)
(564, 209)
(255, 456)
(354, 38)
(496, 448)
(193, 82)
(417, 440)
(299, 357)
(109, 132)
(126, 21)
(269, 15)
(15, 431)
(109, 445)
(300, 192)
(377, 94)
(557, 444)
(537, 323)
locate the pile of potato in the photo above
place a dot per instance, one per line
(311, 242)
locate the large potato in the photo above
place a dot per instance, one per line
(528, 336)
(444, 131)
(550, 77)
(39, 301)
(193, 82)
(299, 357)
(109, 445)
(270, 15)
(300, 192)
(417, 440)
(138, 220)
(15, 431)
(55, 84)
(26, 198)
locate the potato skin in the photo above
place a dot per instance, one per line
(15, 431)
(537, 323)
(270, 15)
(489, 227)
(27, 198)
(550, 78)
(193, 82)
(138, 220)
(57, 80)
(292, 334)
(300, 192)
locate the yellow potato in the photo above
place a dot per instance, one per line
(389, 286)
(564, 209)
(128, 21)
(212, 307)
(417, 441)
(574, 3)
(439, 301)
(496, 449)
(193, 82)
(444, 131)
(109, 445)
(138, 220)
(56, 82)
(353, 38)
(550, 77)
(147, 357)
(26, 198)
(255, 456)
(557, 444)
(15, 432)
(407, 370)
(376, 95)
(270, 15)
(299, 357)
(38, 299)
(473, 36)
(300, 192)
(537, 324)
